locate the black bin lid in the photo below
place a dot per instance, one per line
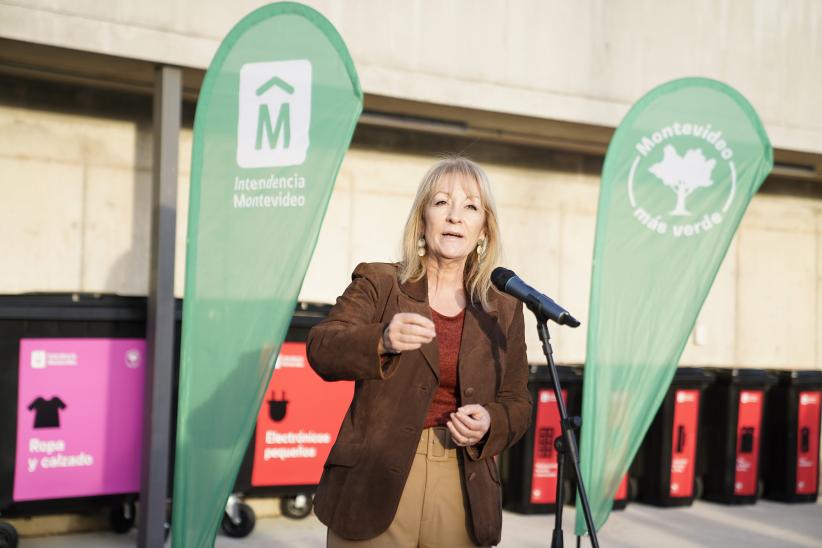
(109, 307)
(73, 307)
(753, 378)
(694, 375)
(811, 378)
(307, 315)
(568, 374)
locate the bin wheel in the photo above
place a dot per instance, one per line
(296, 507)
(246, 524)
(698, 487)
(633, 488)
(121, 517)
(568, 495)
(8, 536)
(167, 523)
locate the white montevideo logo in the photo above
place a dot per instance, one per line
(274, 113)
(683, 157)
(683, 174)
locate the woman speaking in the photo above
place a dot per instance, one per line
(441, 375)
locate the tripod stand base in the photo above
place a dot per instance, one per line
(557, 540)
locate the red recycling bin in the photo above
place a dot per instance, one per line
(668, 473)
(297, 424)
(529, 468)
(791, 448)
(732, 421)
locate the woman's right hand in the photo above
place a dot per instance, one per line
(406, 331)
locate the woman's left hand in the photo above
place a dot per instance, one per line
(469, 424)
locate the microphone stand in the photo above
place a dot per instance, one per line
(566, 445)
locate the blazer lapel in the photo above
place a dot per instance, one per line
(476, 332)
(415, 299)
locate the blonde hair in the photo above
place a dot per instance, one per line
(477, 274)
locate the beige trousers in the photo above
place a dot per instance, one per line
(431, 513)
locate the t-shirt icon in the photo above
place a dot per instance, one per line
(47, 412)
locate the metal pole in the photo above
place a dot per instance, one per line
(160, 321)
(569, 439)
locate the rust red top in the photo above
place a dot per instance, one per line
(449, 337)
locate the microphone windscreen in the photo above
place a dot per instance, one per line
(500, 277)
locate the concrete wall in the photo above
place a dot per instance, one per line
(75, 182)
(75, 166)
(75, 212)
(582, 62)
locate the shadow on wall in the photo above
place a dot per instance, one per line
(129, 272)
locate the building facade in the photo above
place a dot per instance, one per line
(531, 89)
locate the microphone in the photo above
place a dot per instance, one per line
(543, 306)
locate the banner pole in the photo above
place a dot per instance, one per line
(160, 313)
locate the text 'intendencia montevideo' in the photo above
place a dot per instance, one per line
(271, 191)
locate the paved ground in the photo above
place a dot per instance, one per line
(766, 525)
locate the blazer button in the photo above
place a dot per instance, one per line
(471, 476)
(469, 391)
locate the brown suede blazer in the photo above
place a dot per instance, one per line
(367, 468)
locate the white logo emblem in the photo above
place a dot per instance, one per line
(41, 359)
(805, 399)
(683, 175)
(546, 397)
(38, 359)
(684, 397)
(748, 397)
(275, 113)
(132, 358)
(694, 176)
(289, 362)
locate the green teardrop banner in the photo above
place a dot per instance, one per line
(275, 117)
(678, 176)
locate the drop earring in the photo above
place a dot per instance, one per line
(481, 244)
(421, 247)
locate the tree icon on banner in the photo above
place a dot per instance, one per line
(683, 174)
